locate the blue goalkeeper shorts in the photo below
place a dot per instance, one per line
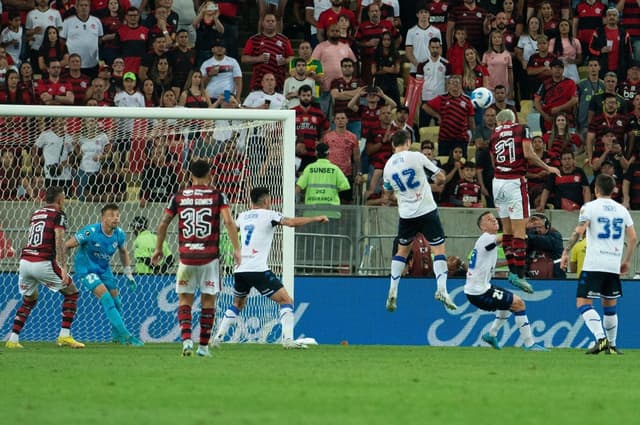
(91, 281)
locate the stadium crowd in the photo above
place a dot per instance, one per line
(571, 70)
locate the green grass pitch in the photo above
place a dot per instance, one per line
(326, 384)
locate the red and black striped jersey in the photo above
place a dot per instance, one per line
(602, 122)
(472, 20)
(589, 19)
(467, 191)
(133, 45)
(630, 19)
(198, 210)
(455, 113)
(341, 105)
(369, 31)
(633, 176)
(275, 45)
(568, 185)
(79, 86)
(311, 123)
(41, 242)
(438, 15)
(507, 149)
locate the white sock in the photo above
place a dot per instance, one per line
(440, 270)
(397, 267)
(64, 332)
(286, 320)
(228, 320)
(593, 322)
(522, 322)
(610, 323)
(14, 337)
(501, 318)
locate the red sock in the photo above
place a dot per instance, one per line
(207, 316)
(22, 315)
(507, 246)
(520, 255)
(69, 307)
(184, 318)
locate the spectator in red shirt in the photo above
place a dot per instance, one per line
(368, 37)
(79, 82)
(13, 94)
(311, 124)
(53, 91)
(133, 38)
(112, 19)
(268, 52)
(612, 44)
(344, 151)
(558, 94)
(331, 15)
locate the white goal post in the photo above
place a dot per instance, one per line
(265, 138)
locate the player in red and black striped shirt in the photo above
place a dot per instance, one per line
(511, 150)
(199, 208)
(269, 52)
(42, 263)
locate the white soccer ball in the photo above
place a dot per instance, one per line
(481, 97)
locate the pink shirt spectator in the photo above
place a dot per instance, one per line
(498, 65)
(341, 146)
(330, 56)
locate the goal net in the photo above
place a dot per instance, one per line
(137, 158)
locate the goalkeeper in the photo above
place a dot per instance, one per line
(96, 245)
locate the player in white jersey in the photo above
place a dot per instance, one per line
(606, 223)
(405, 175)
(257, 227)
(481, 293)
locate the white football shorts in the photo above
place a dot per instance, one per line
(205, 277)
(33, 274)
(511, 198)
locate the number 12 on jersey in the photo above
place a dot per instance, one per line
(406, 179)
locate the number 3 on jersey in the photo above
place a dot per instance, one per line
(609, 225)
(196, 222)
(406, 179)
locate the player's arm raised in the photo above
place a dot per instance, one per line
(301, 221)
(162, 234)
(575, 237)
(232, 229)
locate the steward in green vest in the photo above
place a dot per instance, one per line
(143, 247)
(321, 181)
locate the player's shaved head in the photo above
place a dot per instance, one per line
(200, 168)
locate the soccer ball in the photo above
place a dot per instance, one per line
(481, 98)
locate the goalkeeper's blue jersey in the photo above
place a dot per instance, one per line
(96, 249)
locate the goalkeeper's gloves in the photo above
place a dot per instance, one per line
(129, 274)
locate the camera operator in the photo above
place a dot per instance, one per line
(544, 246)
